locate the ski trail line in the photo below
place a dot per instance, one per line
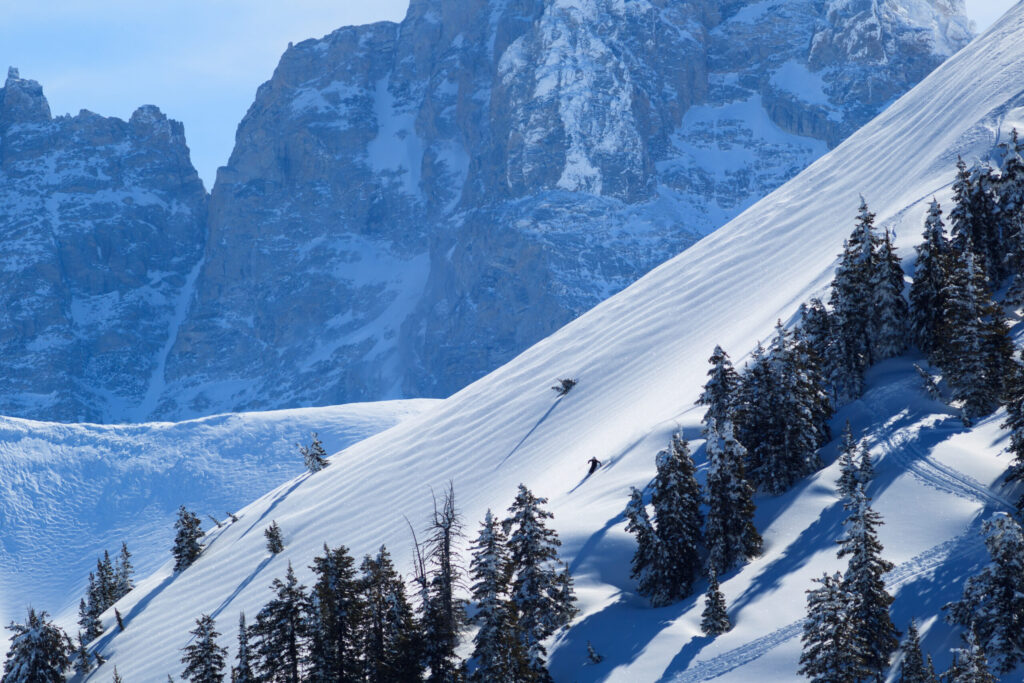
(967, 542)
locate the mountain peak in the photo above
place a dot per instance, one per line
(22, 100)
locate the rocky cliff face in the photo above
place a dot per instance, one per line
(409, 205)
(102, 223)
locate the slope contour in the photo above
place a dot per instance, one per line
(640, 360)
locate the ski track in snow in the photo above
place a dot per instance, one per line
(967, 543)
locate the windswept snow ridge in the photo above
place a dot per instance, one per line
(69, 492)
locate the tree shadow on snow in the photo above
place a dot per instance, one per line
(620, 633)
(248, 580)
(534, 428)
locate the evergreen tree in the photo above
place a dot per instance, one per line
(392, 649)
(977, 350)
(280, 631)
(123, 571)
(829, 653)
(1014, 389)
(874, 636)
(83, 660)
(204, 659)
(88, 614)
(494, 651)
(970, 664)
(889, 309)
(791, 420)
(849, 479)
(337, 611)
(444, 615)
(38, 651)
(730, 533)
(973, 220)
(186, 541)
(722, 389)
(1010, 212)
(715, 618)
(275, 543)
(105, 583)
(676, 499)
(314, 456)
(242, 671)
(992, 604)
(913, 668)
(850, 299)
(648, 549)
(116, 677)
(541, 593)
(931, 275)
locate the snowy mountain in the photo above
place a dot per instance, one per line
(69, 492)
(640, 360)
(409, 205)
(103, 223)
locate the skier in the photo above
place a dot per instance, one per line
(594, 464)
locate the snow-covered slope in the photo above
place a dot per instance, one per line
(640, 360)
(67, 492)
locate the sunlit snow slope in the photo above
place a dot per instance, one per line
(67, 492)
(640, 358)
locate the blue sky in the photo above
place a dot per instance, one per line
(200, 61)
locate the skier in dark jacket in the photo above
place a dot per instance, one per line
(594, 464)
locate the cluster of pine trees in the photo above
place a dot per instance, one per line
(360, 625)
(109, 583)
(848, 635)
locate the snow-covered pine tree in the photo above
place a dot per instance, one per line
(714, 619)
(977, 352)
(1014, 396)
(931, 275)
(83, 660)
(730, 534)
(753, 415)
(494, 646)
(889, 310)
(828, 653)
(541, 593)
(116, 678)
(105, 588)
(970, 664)
(280, 632)
(335, 611)
(993, 600)
(186, 539)
(204, 659)
(645, 559)
(314, 456)
(721, 392)
(972, 219)
(242, 671)
(275, 541)
(88, 611)
(792, 418)
(1010, 215)
(865, 468)
(874, 636)
(392, 648)
(850, 299)
(913, 668)
(676, 498)
(849, 479)
(38, 652)
(123, 571)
